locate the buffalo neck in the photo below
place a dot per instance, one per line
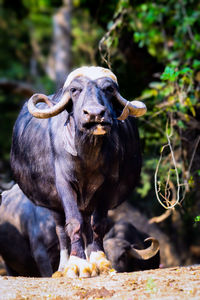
(88, 150)
(93, 149)
(96, 160)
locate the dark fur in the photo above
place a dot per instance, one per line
(118, 243)
(101, 173)
(29, 244)
(28, 241)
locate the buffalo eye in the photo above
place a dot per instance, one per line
(75, 91)
(109, 89)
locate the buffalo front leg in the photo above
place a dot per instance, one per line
(97, 256)
(63, 243)
(77, 265)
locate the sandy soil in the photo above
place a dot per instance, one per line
(171, 283)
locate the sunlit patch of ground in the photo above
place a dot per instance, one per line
(171, 283)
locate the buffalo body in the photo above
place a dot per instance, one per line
(79, 163)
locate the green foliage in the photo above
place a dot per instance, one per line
(21, 22)
(13, 44)
(157, 26)
(197, 219)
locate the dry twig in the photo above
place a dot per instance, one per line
(102, 43)
(169, 204)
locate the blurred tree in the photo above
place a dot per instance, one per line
(61, 43)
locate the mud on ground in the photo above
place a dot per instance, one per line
(171, 283)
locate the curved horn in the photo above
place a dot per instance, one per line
(148, 252)
(133, 108)
(52, 111)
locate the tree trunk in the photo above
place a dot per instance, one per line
(60, 59)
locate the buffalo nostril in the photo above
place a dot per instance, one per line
(86, 112)
(102, 113)
(94, 112)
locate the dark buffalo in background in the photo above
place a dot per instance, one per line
(28, 240)
(30, 247)
(120, 245)
(168, 253)
(79, 157)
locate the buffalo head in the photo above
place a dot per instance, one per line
(92, 94)
(125, 257)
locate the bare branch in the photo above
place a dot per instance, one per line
(102, 43)
(192, 122)
(168, 135)
(162, 217)
(167, 213)
(189, 168)
(17, 87)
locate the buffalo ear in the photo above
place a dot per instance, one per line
(70, 136)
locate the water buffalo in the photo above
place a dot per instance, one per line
(28, 240)
(78, 154)
(31, 229)
(121, 244)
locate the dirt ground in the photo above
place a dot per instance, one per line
(170, 283)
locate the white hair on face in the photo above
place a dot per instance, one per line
(92, 73)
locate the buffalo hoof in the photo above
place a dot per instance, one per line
(57, 274)
(78, 267)
(102, 263)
